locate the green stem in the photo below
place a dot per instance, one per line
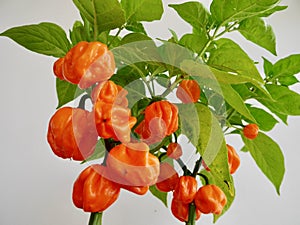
(116, 35)
(171, 87)
(192, 215)
(96, 218)
(197, 167)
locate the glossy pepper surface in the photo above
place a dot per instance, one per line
(233, 159)
(132, 164)
(250, 131)
(161, 119)
(186, 189)
(167, 179)
(181, 210)
(210, 199)
(174, 150)
(86, 64)
(92, 191)
(188, 91)
(71, 133)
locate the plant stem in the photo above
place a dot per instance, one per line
(192, 215)
(95, 218)
(171, 87)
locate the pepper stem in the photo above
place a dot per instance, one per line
(192, 215)
(96, 218)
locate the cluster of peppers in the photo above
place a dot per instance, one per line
(128, 164)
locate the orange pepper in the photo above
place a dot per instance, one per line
(167, 179)
(210, 199)
(233, 159)
(92, 191)
(132, 164)
(174, 150)
(188, 91)
(186, 189)
(71, 133)
(250, 131)
(181, 210)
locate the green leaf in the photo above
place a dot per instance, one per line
(44, 38)
(235, 101)
(225, 11)
(136, 27)
(194, 42)
(254, 29)
(78, 33)
(66, 92)
(228, 56)
(162, 196)
(193, 13)
(288, 81)
(264, 120)
(268, 157)
(273, 10)
(268, 67)
(288, 66)
(142, 10)
(287, 101)
(99, 152)
(103, 15)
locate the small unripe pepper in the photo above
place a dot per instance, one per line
(181, 210)
(250, 131)
(186, 189)
(168, 178)
(132, 164)
(86, 64)
(188, 91)
(233, 159)
(92, 191)
(71, 133)
(210, 199)
(174, 150)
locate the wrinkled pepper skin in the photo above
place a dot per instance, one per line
(139, 190)
(181, 210)
(86, 64)
(92, 191)
(233, 159)
(250, 131)
(210, 199)
(71, 133)
(186, 189)
(113, 121)
(167, 179)
(161, 120)
(174, 151)
(188, 91)
(132, 164)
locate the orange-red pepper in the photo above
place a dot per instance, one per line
(210, 199)
(188, 91)
(250, 131)
(233, 159)
(186, 189)
(92, 191)
(132, 164)
(174, 150)
(181, 210)
(71, 133)
(86, 64)
(167, 179)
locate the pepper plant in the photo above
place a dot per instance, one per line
(146, 94)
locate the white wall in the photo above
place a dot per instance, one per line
(35, 186)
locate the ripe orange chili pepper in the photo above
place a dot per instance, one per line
(92, 191)
(86, 64)
(174, 150)
(181, 210)
(113, 121)
(161, 120)
(139, 190)
(71, 134)
(251, 131)
(210, 199)
(110, 92)
(132, 164)
(186, 189)
(233, 159)
(167, 179)
(188, 91)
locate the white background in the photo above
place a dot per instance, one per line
(36, 186)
